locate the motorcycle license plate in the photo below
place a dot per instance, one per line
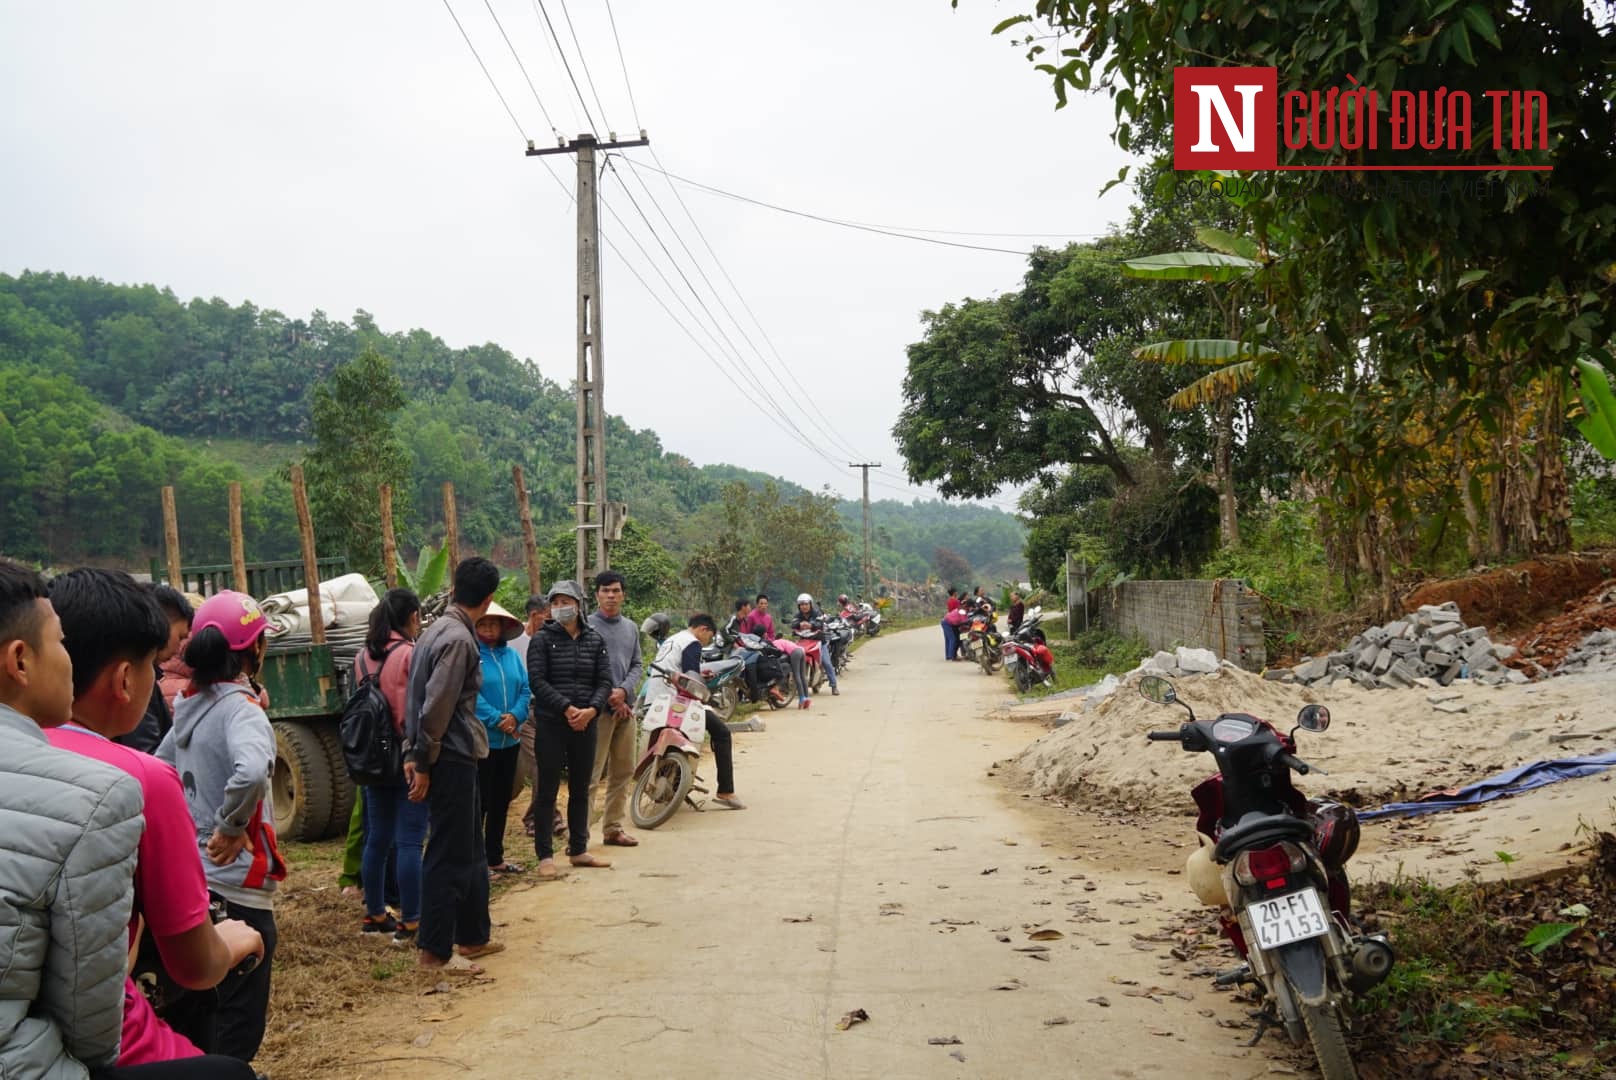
(1281, 920)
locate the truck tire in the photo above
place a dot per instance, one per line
(302, 782)
(343, 790)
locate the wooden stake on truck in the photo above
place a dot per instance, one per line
(451, 527)
(389, 544)
(311, 568)
(530, 546)
(171, 538)
(238, 542)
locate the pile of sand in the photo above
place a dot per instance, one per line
(1381, 743)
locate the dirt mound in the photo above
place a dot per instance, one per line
(1513, 597)
(1549, 642)
(1382, 744)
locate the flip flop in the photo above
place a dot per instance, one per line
(472, 952)
(730, 803)
(506, 868)
(588, 860)
(457, 965)
(621, 839)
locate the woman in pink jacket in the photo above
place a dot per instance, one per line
(391, 819)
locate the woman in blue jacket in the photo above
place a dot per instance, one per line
(502, 707)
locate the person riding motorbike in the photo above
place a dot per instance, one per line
(810, 621)
(751, 659)
(682, 651)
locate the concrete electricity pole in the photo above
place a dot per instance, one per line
(595, 514)
(868, 592)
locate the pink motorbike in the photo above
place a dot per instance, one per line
(673, 713)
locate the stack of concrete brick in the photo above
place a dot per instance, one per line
(1431, 646)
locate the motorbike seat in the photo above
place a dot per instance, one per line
(1259, 830)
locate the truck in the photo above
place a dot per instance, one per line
(308, 686)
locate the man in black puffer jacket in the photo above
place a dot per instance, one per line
(571, 677)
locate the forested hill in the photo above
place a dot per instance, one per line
(108, 392)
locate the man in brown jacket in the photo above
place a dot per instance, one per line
(443, 742)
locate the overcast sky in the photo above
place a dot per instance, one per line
(352, 155)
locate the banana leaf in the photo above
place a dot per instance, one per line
(1228, 243)
(1189, 266)
(1203, 351)
(1598, 426)
(1215, 385)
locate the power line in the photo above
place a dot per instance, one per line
(785, 367)
(632, 105)
(583, 62)
(861, 226)
(555, 58)
(740, 361)
(828, 434)
(484, 66)
(545, 12)
(521, 67)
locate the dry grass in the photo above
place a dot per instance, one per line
(327, 977)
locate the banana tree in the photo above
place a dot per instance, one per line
(1598, 420)
(1235, 362)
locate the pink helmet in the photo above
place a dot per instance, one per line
(235, 614)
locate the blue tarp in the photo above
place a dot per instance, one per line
(1513, 782)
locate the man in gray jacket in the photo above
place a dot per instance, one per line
(614, 731)
(67, 859)
(443, 741)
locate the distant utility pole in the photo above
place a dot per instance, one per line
(868, 592)
(595, 514)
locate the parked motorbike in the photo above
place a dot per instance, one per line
(814, 658)
(674, 716)
(1275, 865)
(839, 636)
(1027, 657)
(722, 673)
(772, 669)
(986, 643)
(864, 618)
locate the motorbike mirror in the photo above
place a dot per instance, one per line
(1157, 689)
(1313, 718)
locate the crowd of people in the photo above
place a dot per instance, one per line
(136, 754)
(964, 606)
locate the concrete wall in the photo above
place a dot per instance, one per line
(1220, 615)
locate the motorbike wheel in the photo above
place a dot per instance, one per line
(1323, 1023)
(726, 701)
(816, 679)
(1023, 680)
(660, 790)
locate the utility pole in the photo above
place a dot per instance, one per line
(595, 514)
(868, 592)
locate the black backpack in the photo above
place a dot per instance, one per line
(371, 746)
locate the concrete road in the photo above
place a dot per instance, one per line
(879, 866)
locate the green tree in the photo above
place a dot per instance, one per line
(951, 567)
(356, 449)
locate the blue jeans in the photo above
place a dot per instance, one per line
(393, 824)
(950, 640)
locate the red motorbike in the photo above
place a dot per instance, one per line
(1276, 871)
(1028, 659)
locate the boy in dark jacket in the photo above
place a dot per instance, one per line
(571, 677)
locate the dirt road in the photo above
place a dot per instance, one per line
(879, 866)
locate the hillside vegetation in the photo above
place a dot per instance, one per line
(108, 392)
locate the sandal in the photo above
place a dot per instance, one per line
(549, 872)
(619, 838)
(488, 948)
(586, 859)
(456, 965)
(804, 703)
(730, 801)
(506, 868)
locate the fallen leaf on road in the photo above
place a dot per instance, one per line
(956, 1055)
(1057, 1021)
(1004, 938)
(1046, 935)
(857, 1016)
(944, 1040)
(1039, 956)
(945, 847)
(1013, 984)
(1031, 948)
(438, 1019)
(424, 1040)
(797, 918)
(1101, 1002)
(953, 922)
(892, 909)
(1009, 843)
(990, 870)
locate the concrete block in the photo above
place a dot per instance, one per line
(1504, 652)
(1445, 678)
(1312, 670)
(1439, 658)
(1341, 659)
(1399, 628)
(1364, 679)
(1444, 615)
(1163, 663)
(1280, 675)
(1376, 635)
(1383, 662)
(1425, 682)
(1194, 661)
(1515, 677)
(1437, 699)
(1403, 673)
(1403, 647)
(1443, 630)
(1473, 634)
(1479, 649)
(1366, 659)
(1451, 707)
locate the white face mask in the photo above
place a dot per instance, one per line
(564, 613)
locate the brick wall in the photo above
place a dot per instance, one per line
(1220, 615)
